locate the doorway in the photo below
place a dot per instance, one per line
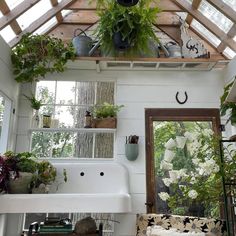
(168, 141)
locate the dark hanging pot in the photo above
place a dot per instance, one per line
(119, 43)
(127, 3)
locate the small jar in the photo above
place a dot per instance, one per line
(47, 121)
(88, 120)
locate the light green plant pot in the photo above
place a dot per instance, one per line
(131, 151)
(21, 184)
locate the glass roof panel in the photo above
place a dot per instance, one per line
(231, 3)
(1, 14)
(215, 16)
(45, 27)
(7, 33)
(229, 53)
(206, 33)
(189, 1)
(13, 3)
(34, 13)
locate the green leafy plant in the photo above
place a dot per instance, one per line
(36, 55)
(134, 23)
(228, 106)
(35, 104)
(106, 110)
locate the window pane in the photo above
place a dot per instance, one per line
(229, 53)
(45, 91)
(206, 33)
(84, 145)
(104, 145)
(65, 115)
(85, 93)
(183, 152)
(80, 115)
(105, 92)
(7, 33)
(13, 3)
(33, 13)
(215, 16)
(45, 27)
(231, 3)
(65, 93)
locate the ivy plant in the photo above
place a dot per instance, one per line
(36, 55)
(134, 23)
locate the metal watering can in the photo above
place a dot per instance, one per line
(83, 44)
(171, 49)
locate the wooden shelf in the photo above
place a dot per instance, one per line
(180, 64)
(73, 130)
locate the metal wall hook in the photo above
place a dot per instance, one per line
(181, 102)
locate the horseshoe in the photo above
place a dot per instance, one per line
(185, 100)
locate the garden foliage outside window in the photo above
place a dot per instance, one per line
(68, 102)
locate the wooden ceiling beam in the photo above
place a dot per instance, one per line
(224, 9)
(195, 5)
(164, 5)
(42, 20)
(16, 12)
(58, 15)
(207, 23)
(6, 10)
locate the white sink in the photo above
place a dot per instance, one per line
(96, 187)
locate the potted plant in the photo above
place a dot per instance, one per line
(35, 104)
(36, 55)
(21, 167)
(105, 115)
(228, 108)
(126, 28)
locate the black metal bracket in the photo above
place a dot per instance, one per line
(181, 102)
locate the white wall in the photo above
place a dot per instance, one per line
(9, 87)
(138, 90)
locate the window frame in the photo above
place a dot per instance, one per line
(170, 114)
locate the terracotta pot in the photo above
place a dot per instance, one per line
(109, 122)
(21, 184)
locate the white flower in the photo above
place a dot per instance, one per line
(182, 173)
(174, 175)
(193, 194)
(167, 181)
(195, 161)
(166, 165)
(164, 196)
(170, 144)
(169, 155)
(180, 140)
(207, 132)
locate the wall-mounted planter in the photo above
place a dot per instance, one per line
(131, 151)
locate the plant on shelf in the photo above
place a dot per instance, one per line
(105, 115)
(36, 55)
(126, 28)
(228, 107)
(21, 167)
(24, 173)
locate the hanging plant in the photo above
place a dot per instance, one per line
(127, 28)
(36, 55)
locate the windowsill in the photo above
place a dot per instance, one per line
(80, 130)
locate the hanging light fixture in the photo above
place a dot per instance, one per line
(127, 3)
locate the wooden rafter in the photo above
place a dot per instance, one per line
(5, 10)
(42, 20)
(207, 23)
(224, 9)
(195, 5)
(16, 12)
(165, 6)
(58, 15)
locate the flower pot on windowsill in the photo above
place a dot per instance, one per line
(109, 122)
(131, 151)
(21, 184)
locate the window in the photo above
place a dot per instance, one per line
(5, 109)
(68, 102)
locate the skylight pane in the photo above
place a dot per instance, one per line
(65, 12)
(7, 33)
(235, 38)
(1, 14)
(34, 13)
(189, 1)
(206, 33)
(13, 3)
(44, 28)
(231, 3)
(215, 16)
(229, 53)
